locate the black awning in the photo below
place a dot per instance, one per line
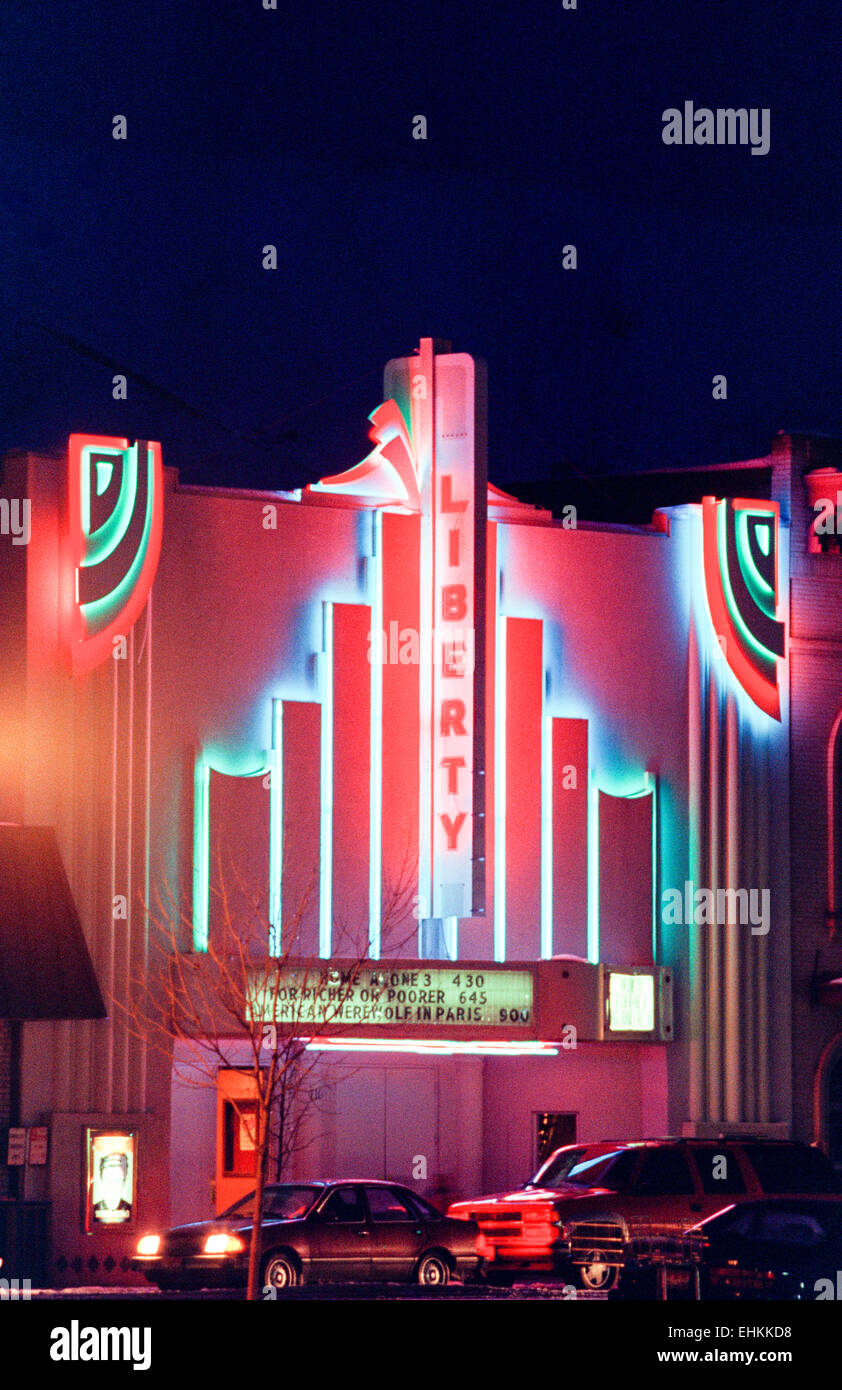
(45, 967)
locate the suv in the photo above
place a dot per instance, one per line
(583, 1205)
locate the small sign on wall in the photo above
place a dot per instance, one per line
(37, 1145)
(16, 1150)
(637, 1003)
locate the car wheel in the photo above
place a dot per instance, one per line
(280, 1271)
(595, 1275)
(432, 1271)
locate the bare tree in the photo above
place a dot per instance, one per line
(242, 990)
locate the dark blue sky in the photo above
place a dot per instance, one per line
(294, 127)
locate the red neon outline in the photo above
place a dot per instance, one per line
(763, 692)
(89, 652)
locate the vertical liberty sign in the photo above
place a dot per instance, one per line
(453, 510)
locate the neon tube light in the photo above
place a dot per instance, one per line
(433, 1047)
(425, 691)
(276, 813)
(593, 870)
(500, 794)
(547, 837)
(751, 655)
(227, 765)
(201, 853)
(326, 837)
(375, 855)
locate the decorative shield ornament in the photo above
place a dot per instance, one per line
(116, 521)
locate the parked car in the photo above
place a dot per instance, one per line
(578, 1213)
(349, 1229)
(778, 1248)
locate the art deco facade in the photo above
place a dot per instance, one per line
(604, 758)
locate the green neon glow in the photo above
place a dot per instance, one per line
(201, 853)
(759, 588)
(276, 808)
(751, 641)
(101, 610)
(625, 783)
(233, 762)
(104, 473)
(764, 536)
(104, 541)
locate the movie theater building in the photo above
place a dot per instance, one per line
(536, 770)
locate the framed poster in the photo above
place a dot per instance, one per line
(110, 1178)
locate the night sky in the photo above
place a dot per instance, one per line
(249, 126)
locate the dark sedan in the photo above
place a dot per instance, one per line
(354, 1229)
(778, 1248)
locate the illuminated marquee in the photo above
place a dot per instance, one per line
(116, 520)
(740, 539)
(374, 997)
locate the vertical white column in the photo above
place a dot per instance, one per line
(714, 934)
(500, 787)
(733, 1059)
(377, 655)
(696, 959)
(326, 837)
(276, 823)
(546, 836)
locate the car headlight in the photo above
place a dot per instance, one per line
(149, 1245)
(223, 1244)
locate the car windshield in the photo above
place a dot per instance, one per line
(284, 1203)
(609, 1170)
(557, 1167)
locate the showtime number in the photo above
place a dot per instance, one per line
(473, 992)
(514, 1015)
